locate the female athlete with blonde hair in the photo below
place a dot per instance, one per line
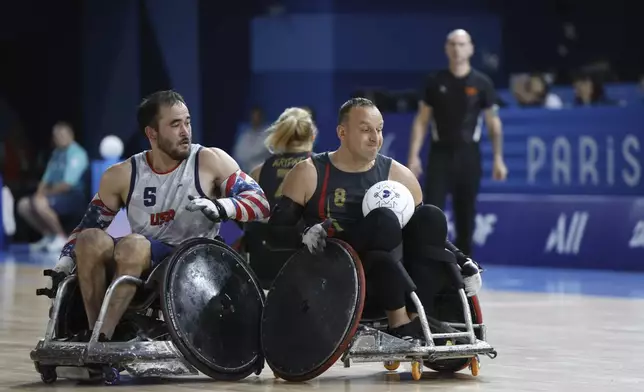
(290, 140)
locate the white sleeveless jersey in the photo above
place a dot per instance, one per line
(156, 203)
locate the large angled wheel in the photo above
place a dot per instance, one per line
(213, 304)
(312, 311)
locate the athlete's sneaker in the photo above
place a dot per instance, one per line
(41, 245)
(56, 245)
(410, 331)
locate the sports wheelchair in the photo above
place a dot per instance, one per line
(197, 311)
(313, 317)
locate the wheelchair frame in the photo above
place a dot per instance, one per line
(83, 361)
(370, 344)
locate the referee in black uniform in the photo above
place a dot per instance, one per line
(455, 98)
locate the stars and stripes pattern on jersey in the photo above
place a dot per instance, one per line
(245, 200)
(98, 216)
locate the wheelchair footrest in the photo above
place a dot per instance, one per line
(60, 353)
(372, 345)
(167, 367)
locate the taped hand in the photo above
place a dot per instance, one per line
(65, 265)
(315, 236)
(210, 208)
(471, 277)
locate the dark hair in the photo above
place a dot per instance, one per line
(599, 93)
(148, 111)
(350, 104)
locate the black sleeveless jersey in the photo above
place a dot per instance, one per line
(339, 194)
(273, 172)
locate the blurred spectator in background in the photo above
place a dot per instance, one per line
(589, 91)
(250, 150)
(13, 162)
(61, 191)
(534, 91)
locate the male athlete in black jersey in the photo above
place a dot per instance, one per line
(290, 139)
(327, 190)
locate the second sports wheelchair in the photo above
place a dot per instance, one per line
(197, 311)
(313, 317)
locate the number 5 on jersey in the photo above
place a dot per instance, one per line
(150, 196)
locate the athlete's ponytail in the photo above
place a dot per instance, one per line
(293, 127)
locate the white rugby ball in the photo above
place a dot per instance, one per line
(392, 195)
(111, 147)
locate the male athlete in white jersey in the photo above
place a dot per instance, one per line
(158, 189)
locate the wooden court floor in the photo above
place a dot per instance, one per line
(546, 342)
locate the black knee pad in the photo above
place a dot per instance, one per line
(381, 230)
(386, 282)
(425, 234)
(428, 224)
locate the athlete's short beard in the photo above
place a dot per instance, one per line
(173, 150)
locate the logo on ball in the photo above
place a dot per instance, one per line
(386, 196)
(392, 195)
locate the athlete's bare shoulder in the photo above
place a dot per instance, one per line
(119, 173)
(403, 175)
(300, 183)
(217, 162)
(115, 184)
(208, 158)
(215, 167)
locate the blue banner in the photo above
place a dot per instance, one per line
(603, 232)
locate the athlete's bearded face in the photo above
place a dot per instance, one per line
(174, 134)
(363, 132)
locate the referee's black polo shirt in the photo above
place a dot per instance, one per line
(457, 104)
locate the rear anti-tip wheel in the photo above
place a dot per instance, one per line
(416, 370)
(392, 365)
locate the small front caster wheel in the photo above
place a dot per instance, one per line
(416, 370)
(392, 365)
(111, 376)
(475, 366)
